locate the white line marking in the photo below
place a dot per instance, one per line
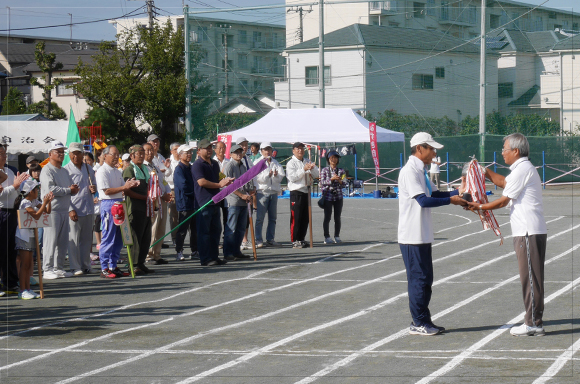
(559, 363)
(469, 351)
(404, 332)
(361, 313)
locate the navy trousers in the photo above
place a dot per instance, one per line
(419, 266)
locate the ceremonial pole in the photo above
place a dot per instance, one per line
(38, 264)
(310, 209)
(252, 231)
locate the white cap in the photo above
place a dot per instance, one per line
(425, 138)
(265, 144)
(28, 186)
(125, 156)
(56, 145)
(240, 140)
(183, 148)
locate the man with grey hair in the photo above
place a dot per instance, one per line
(54, 178)
(171, 209)
(522, 191)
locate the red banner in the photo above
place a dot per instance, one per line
(374, 147)
(227, 140)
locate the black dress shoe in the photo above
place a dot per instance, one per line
(164, 246)
(242, 256)
(221, 262)
(230, 258)
(145, 269)
(162, 261)
(210, 263)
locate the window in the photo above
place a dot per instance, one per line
(539, 24)
(575, 26)
(242, 37)
(312, 75)
(439, 72)
(257, 39)
(65, 89)
(444, 10)
(258, 64)
(242, 61)
(230, 65)
(419, 10)
(275, 41)
(202, 34)
(472, 16)
(244, 85)
(422, 81)
(494, 21)
(230, 41)
(551, 15)
(431, 7)
(505, 90)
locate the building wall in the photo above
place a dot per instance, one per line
(461, 20)
(571, 80)
(520, 71)
(346, 88)
(79, 105)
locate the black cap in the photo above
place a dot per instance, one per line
(30, 159)
(297, 144)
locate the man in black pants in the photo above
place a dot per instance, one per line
(300, 173)
(184, 202)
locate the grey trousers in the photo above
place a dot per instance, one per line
(158, 230)
(55, 241)
(531, 267)
(80, 240)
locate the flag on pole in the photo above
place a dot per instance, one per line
(72, 135)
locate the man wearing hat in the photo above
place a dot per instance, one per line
(269, 187)
(54, 178)
(30, 161)
(184, 188)
(126, 160)
(300, 173)
(137, 213)
(8, 221)
(207, 184)
(237, 206)
(417, 195)
(81, 212)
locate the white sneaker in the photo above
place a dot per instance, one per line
(259, 244)
(2, 293)
(78, 272)
(36, 295)
(328, 240)
(526, 330)
(60, 273)
(337, 240)
(245, 245)
(179, 256)
(50, 275)
(26, 295)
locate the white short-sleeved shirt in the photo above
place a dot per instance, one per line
(25, 234)
(524, 188)
(434, 167)
(109, 177)
(415, 226)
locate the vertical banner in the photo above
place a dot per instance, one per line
(227, 140)
(374, 148)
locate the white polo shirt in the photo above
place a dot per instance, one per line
(415, 226)
(524, 187)
(109, 177)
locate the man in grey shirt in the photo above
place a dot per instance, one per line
(237, 207)
(56, 179)
(80, 237)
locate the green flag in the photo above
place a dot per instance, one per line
(72, 135)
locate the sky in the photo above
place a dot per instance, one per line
(37, 13)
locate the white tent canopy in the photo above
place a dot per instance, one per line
(32, 136)
(313, 126)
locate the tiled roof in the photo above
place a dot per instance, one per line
(390, 37)
(570, 43)
(530, 97)
(24, 53)
(69, 59)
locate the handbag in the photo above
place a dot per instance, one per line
(321, 202)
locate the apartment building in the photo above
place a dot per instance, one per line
(458, 18)
(241, 58)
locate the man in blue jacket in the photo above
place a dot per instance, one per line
(184, 202)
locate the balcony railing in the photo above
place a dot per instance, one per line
(457, 15)
(384, 6)
(269, 44)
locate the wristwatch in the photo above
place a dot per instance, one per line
(481, 207)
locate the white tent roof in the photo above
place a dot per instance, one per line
(313, 126)
(32, 136)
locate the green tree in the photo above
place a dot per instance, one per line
(47, 64)
(13, 103)
(141, 79)
(56, 112)
(226, 122)
(109, 126)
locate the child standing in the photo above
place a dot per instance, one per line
(28, 200)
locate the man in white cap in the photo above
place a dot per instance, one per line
(126, 159)
(81, 213)
(417, 195)
(54, 178)
(269, 188)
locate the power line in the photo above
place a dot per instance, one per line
(69, 24)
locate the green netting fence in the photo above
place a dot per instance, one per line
(556, 157)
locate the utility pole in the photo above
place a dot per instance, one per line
(301, 11)
(482, 82)
(150, 13)
(188, 127)
(321, 98)
(70, 14)
(226, 66)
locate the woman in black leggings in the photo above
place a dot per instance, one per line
(331, 183)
